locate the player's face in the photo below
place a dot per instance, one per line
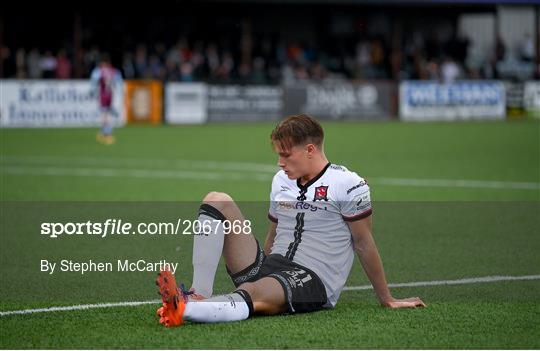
(293, 161)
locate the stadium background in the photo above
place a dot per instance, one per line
(456, 193)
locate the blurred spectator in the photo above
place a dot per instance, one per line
(141, 63)
(183, 49)
(63, 65)
(259, 76)
(500, 49)
(155, 68)
(48, 65)
(262, 57)
(197, 59)
(91, 59)
(431, 71)
(20, 64)
(449, 70)
(173, 56)
(300, 72)
(172, 70)
(295, 53)
(78, 63)
(318, 72)
(526, 49)
(212, 59)
(244, 73)
(377, 59)
(33, 64)
(128, 67)
(8, 65)
(160, 51)
(225, 69)
(363, 59)
(287, 74)
(186, 72)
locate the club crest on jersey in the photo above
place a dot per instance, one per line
(321, 193)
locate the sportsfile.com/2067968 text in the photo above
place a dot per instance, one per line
(120, 227)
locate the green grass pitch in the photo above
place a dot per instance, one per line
(451, 201)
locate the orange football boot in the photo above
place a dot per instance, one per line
(174, 300)
(192, 295)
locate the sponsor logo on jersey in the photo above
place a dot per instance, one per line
(361, 184)
(321, 193)
(337, 167)
(300, 205)
(285, 188)
(362, 201)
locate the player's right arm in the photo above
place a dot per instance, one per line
(270, 236)
(272, 215)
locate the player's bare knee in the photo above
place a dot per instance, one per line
(263, 303)
(251, 289)
(218, 200)
(216, 196)
(266, 308)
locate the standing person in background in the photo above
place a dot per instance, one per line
(105, 79)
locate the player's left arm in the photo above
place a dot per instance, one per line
(365, 248)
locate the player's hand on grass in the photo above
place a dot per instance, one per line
(411, 302)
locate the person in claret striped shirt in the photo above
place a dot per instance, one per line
(105, 79)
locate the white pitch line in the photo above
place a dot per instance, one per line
(240, 175)
(134, 173)
(457, 183)
(138, 162)
(490, 279)
(80, 307)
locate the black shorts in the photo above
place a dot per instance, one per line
(304, 290)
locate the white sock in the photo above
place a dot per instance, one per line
(207, 250)
(223, 308)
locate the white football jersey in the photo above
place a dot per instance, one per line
(311, 222)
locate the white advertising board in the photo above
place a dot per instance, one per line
(431, 101)
(53, 103)
(185, 103)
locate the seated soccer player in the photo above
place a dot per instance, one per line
(320, 215)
